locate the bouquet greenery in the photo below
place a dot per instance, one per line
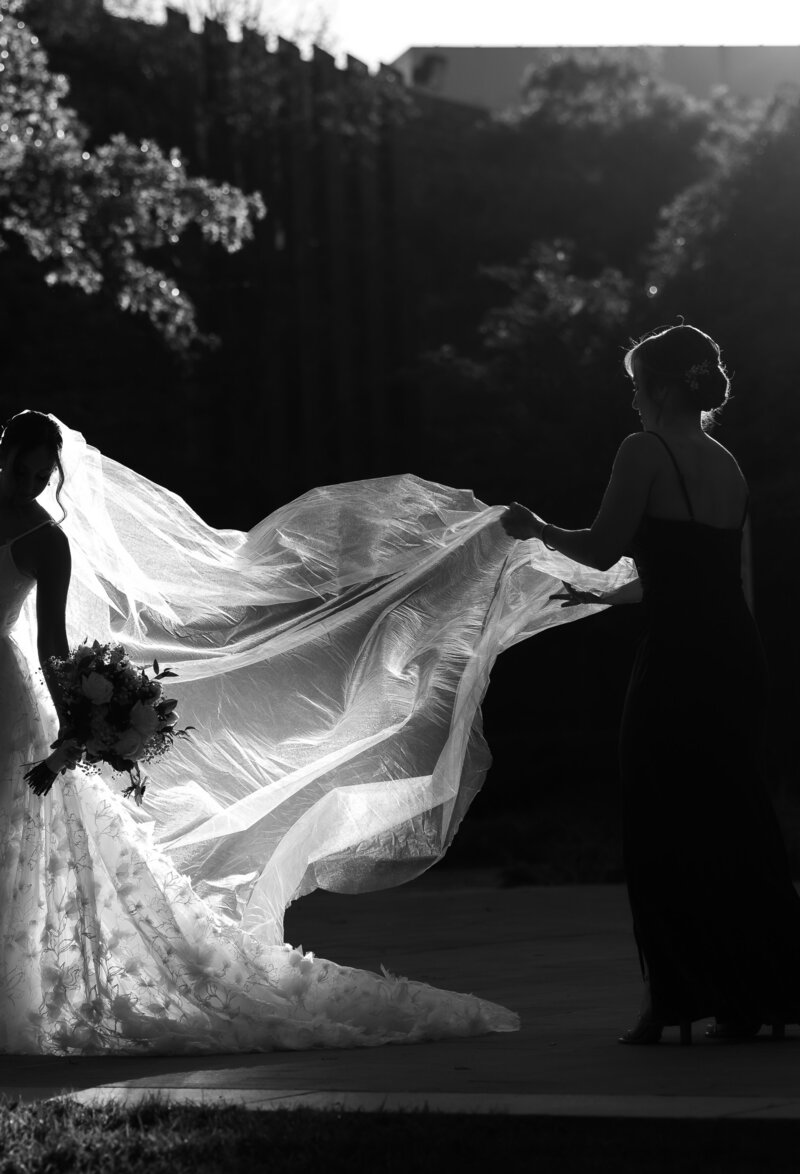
(111, 712)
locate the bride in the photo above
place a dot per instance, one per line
(331, 661)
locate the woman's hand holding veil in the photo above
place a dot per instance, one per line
(628, 593)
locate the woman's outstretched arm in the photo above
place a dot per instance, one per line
(630, 592)
(624, 502)
(570, 596)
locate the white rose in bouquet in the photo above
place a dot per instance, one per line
(144, 719)
(97, 688)
(130, 745)
(117, 693)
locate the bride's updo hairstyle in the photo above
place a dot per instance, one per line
(27, 431)
(687, 362)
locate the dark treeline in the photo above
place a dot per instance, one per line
(442, 292)
(305, 325)
(606, 204)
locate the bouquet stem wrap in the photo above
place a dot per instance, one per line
(41, 777)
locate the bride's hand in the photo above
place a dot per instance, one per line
(67, 753)
(520, 522)
(572, 596)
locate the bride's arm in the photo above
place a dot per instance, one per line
(53, 571)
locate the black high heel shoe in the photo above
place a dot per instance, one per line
(648, 1031)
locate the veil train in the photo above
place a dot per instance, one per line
(332, 660)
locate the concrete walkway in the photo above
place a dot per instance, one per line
(563, 957)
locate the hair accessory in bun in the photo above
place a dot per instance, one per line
(694, 371)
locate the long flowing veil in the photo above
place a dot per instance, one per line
(332, 661)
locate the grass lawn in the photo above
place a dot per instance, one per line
(49, 1137)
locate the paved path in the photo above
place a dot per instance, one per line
(563, 956)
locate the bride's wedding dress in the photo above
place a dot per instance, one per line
(332, 661)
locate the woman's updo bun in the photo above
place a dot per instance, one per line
(708, 384)
(685, 360)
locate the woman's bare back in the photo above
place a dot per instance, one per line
(714, 482)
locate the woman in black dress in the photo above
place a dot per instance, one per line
(716, 917)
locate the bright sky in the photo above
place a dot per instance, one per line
(380, 30)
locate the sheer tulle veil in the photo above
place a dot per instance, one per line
(332, 661)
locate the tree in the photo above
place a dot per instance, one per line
(105, 221)
(597, 144)
(545, 405)
(726, 254)
(555, 204)
(607, 142)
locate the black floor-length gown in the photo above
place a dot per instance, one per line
(716, 917)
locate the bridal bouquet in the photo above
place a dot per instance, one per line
(111, 712)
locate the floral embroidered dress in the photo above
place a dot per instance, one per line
(107, 948)
(331, 662)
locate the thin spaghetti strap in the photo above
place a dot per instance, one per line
(678, 471)
(11, 541)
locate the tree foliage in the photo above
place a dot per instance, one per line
(105, 220)
(552, 208)
(597, 145)
(553, 307)
(726, 253)
(602, 88)
(545, 404)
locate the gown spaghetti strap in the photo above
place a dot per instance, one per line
(716, 917)
(25, 533)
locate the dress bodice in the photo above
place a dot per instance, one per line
(683, 560)
(698, 828)
(15, 585)
(686, 560)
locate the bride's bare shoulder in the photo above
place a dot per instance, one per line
(50, 544)
(49, 561)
